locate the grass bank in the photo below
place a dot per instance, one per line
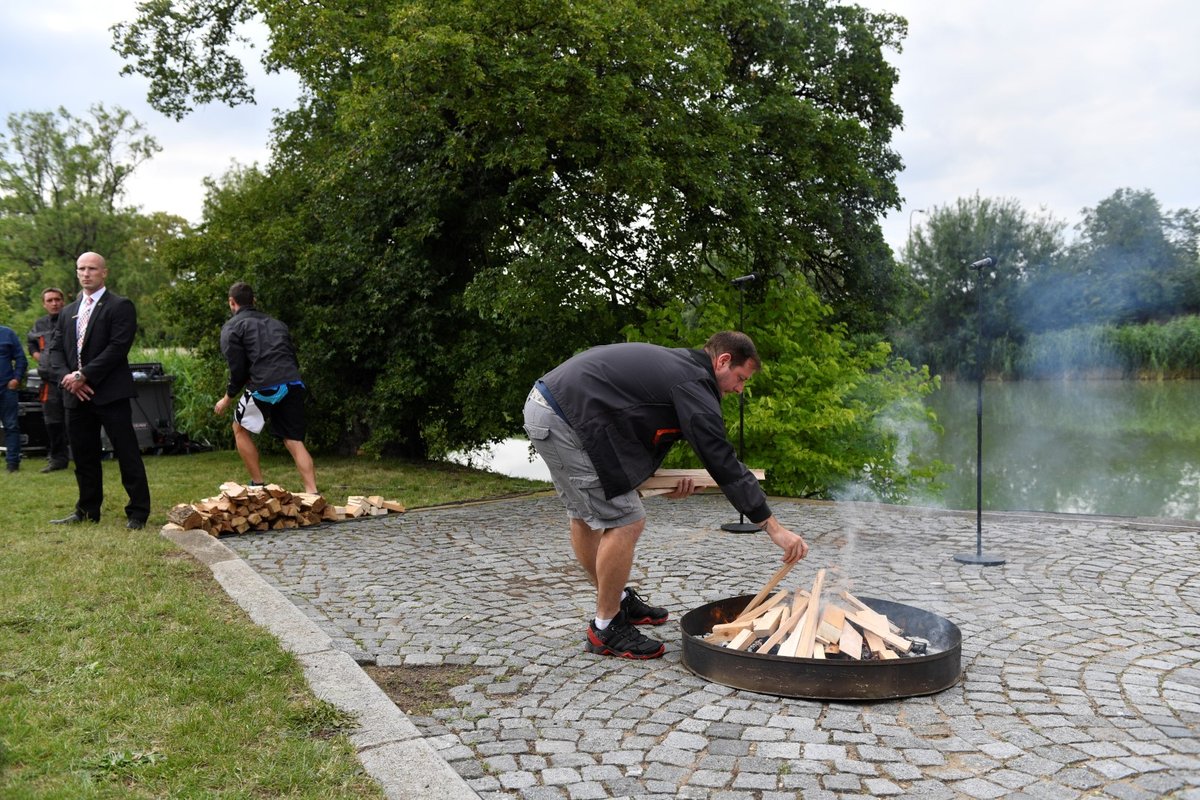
(126, 672)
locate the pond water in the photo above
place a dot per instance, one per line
(1121, 448)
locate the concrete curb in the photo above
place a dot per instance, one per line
(389, 746)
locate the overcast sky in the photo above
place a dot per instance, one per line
(1054, 103)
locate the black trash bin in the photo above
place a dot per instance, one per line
(153, 408)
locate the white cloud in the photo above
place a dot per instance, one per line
(1054, 104)
(59, 53)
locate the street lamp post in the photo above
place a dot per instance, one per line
(910, 216)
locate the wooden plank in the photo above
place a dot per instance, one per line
(872, 623)
(851, 641)
(775, 600)
(874, 643)
(830, 628)
(779, 575)
(742, 640)
(804, 648)
(737, 626)
(785, 627)
(668, 478)
(859, 605)
(767, 623)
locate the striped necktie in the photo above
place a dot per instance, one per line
(85, 314)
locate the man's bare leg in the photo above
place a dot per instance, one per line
(607, 557)
(247, 450)
(304, 464)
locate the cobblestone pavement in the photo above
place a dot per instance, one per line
(1081, 654)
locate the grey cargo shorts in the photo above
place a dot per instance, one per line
(572, 472)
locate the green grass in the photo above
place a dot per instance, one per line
(125, 671)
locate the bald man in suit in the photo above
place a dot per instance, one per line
(95, 334)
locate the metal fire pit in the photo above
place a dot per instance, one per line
(827, 679)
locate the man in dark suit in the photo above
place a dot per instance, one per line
(95, 334)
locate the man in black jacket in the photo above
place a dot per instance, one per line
(94, 336)
(262, 361)
(51, 370)
(603, 421)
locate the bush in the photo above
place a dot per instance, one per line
(825, 416)
(1154, 350)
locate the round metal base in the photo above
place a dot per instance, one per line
(827, 679)
(741, 527)
(982, 559)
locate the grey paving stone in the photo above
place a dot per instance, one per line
(1090, 706)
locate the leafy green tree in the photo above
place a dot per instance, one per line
(942, 322)
(826, 417)
(62, 180)
(468, 193)
(1133, 262)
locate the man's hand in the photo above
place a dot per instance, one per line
(684, 488)
(792, 544)
(222, 405)
(76, 383)
(14, 384)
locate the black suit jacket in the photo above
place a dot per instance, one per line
(106, 344)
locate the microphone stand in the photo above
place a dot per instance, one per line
(979, 557)
(741, 526)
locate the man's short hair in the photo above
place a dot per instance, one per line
(242, 294)
(737, 344)
(54, 289)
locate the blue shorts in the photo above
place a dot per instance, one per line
(571, 470)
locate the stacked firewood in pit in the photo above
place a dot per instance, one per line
(247, 509)
(810, 627)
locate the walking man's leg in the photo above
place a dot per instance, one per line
(304, 464)
(248, 451)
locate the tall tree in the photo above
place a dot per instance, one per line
(942, 321)
(62, 182)
(1132, 263)
(476, 190)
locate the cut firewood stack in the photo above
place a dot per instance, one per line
(811, 626)
(247, 509)
(663, 481)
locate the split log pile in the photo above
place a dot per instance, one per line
(663, 481)
(811, 626)
(247, 509)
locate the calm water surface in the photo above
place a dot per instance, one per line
(1121, 448)
(1124, 448)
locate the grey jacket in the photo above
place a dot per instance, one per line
(630, 402)
(259, 351)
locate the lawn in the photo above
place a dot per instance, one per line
(125, 671)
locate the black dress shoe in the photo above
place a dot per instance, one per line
(135, 524)
(53, 467)
(74, 519)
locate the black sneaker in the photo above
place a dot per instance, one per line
(639, 612)
(622, 640)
